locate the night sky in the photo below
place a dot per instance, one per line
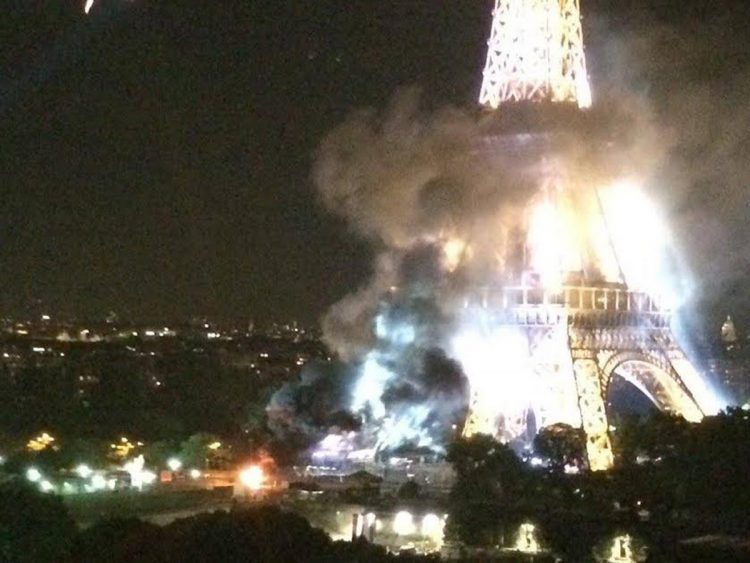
(155, 156)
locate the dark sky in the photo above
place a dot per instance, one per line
(155, 155)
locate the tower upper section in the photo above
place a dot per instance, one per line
(535, 52)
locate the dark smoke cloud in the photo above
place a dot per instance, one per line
(427, 388)
(309, 407)
(436, 379)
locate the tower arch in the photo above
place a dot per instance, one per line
(654, 377)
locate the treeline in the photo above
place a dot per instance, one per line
(673, 480)
(37, 527)
(111, 392)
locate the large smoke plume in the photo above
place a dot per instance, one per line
(448, 215)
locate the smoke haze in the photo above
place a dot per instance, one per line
(447, 212)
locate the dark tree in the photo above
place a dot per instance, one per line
(652, 439)
(409, 490)
(33, 526)
(562, 445)
(260, 533)
(203, 450)
(257, 534)
(122, 539)
(487, 473)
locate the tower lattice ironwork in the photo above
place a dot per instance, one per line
(575, 337)
(535, 52)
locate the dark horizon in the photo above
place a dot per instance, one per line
(156, 156)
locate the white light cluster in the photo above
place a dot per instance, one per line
(403, 523)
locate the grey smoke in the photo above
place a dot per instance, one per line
(408, 178)
(672, 104)
(692, 65)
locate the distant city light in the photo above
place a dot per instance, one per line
(148, 477)
(84, 471)
(214, 445)
(98, 482)
(46, 487)
(174, 464)
(39, 443)
(195, 474)
(124, 447)
(33, 474)
(138, 476)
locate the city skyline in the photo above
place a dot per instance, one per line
(157, 161)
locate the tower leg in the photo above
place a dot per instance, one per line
(593, 413)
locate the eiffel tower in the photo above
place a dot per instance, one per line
(581, 332)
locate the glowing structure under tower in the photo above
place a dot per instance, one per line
(562, 335)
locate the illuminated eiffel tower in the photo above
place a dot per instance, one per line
(535, 52)
(577, 335)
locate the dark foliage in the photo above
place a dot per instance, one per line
(123, 539)
(263, 534)
(562, 445)
(674, 480)
(33, 526)
(488, 473)
(409, 490)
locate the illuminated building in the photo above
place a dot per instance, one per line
(586, 305)
(729, 334)
(731, 365)
(526, 541)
